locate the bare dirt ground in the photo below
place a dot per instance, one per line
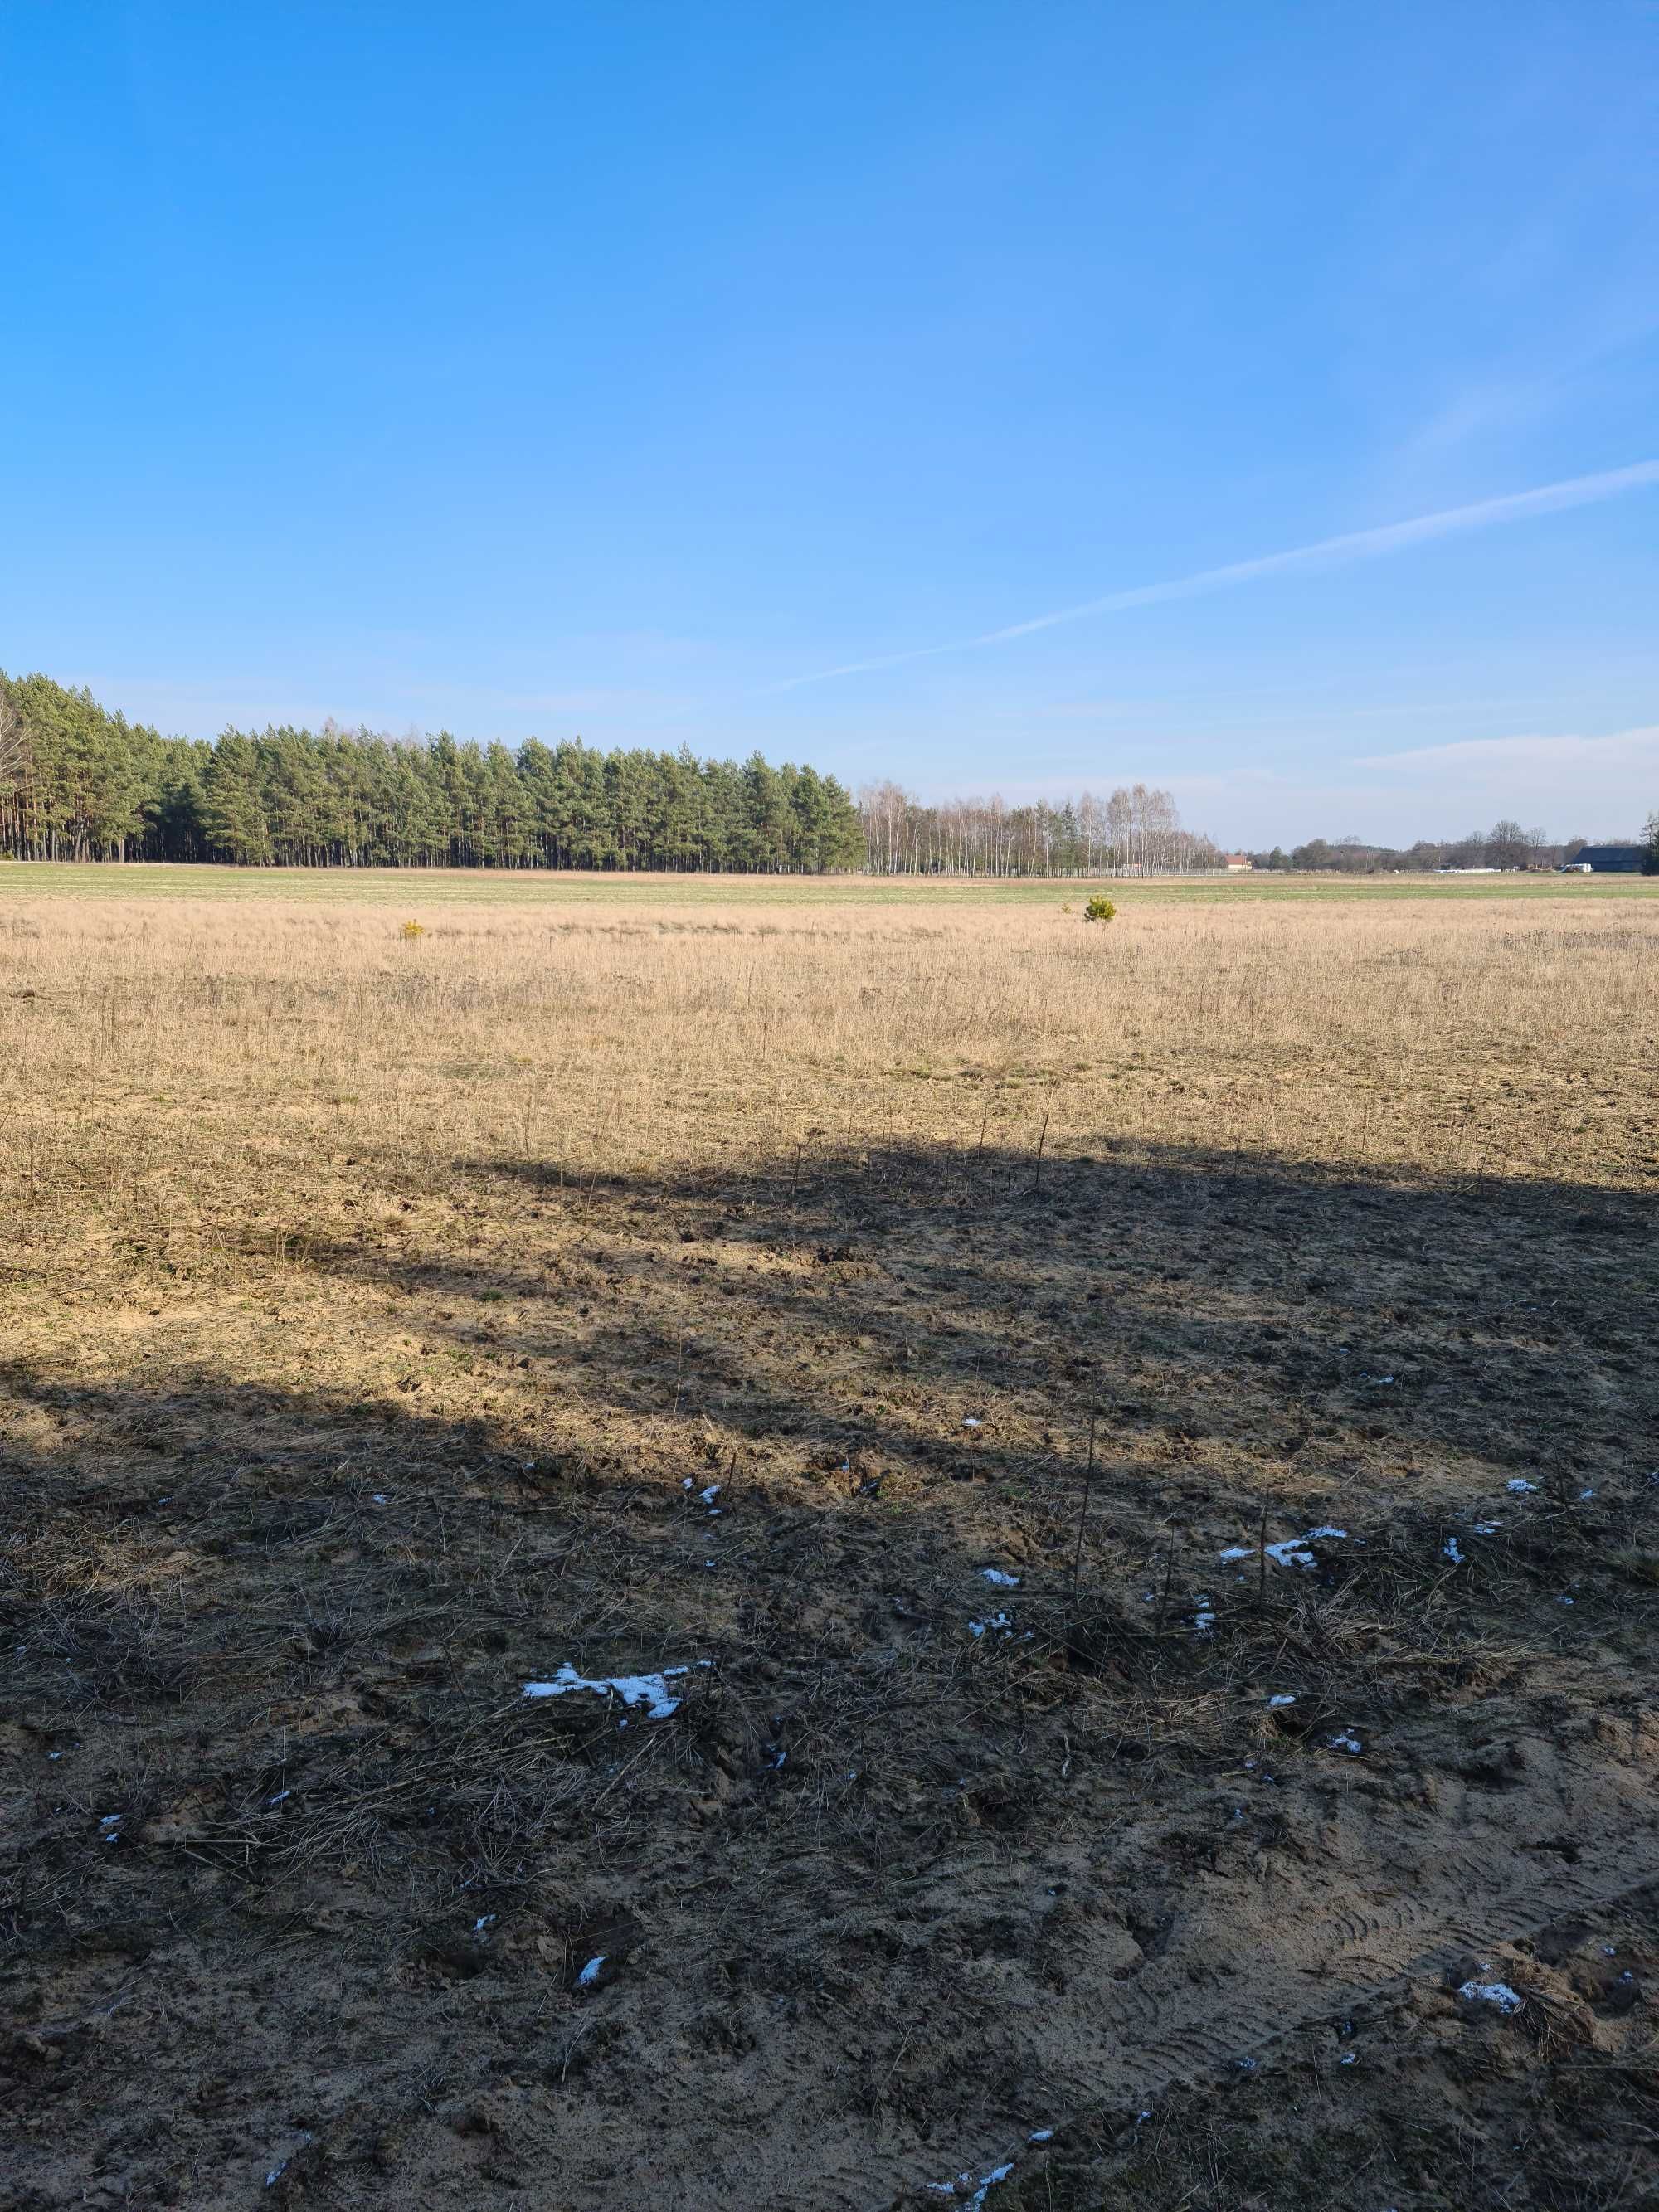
(391, 1321)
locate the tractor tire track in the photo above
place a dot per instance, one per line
(1328, 1954)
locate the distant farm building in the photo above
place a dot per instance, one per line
(1237, 861)
(1606, 861)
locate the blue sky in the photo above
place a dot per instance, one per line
(558, 369)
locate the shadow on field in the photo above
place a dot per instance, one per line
(299, 1875)
(872, 1305)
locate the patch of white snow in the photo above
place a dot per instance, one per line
(1492, 1993)
(650, 1690)
(980, 2190)
(1290, 1551)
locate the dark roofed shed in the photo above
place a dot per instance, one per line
(1610, 860)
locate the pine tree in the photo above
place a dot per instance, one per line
(234, 820)
(77, 783)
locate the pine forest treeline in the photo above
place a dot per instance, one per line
(79, 783)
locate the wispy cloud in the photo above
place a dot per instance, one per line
(1574, 785)
(1549, 756)
(1578, 783)
(1327, 553)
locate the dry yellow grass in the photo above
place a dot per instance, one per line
(390, 1319)
(171, 1054)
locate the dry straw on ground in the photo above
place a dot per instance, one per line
(391, 1318)
(227, 1051)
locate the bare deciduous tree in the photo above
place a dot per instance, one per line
(1134, 832)
(1508, 847)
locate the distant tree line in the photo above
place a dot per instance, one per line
(1505, 845)
(80, 783)
(1134, 831)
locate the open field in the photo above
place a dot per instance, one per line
(414, 890)
(636, 1275)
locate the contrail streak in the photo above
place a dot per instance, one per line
(1328, 553)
